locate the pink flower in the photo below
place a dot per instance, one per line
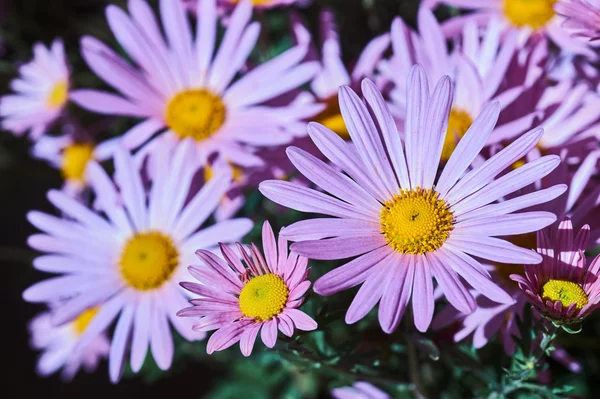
(185, 86)
(401, 218)
(58, 344)
(582, 17)
(239, 301)
(528, 17)
(42, 91)
(561, 287)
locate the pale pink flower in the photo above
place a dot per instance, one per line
(582, 17)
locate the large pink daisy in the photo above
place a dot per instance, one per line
(405, 225)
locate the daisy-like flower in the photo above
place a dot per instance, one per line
(359, 390)
(239, 301)
(183, 90)
(402, 223)
(131, 261)
(478, 65)
(582, 16)
(57, 344)
(562, 287)
(529, 17)
(333, 72)
(71, 157)
(42, 90)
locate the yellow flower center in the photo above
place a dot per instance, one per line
(529, 13)
(58, 95)
(459, 122)
(504, 270)
(567, 292)
(148, 260)
(263, 297)
(331, 117)
(237, 172)
(74, 161)
(416, 221)
(195, 113)
(83, 320)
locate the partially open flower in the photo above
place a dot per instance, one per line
(561, 287)
(239, 301)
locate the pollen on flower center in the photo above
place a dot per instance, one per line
(148, 260)
(83, 320)
(74, 161)
(459, 122)
(567, 292)
(416, 221)
(263, 297)
(531, 13)
(195, 113)
(58, 95)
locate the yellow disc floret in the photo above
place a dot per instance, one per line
(331, 117)
(567, 292)
(459, 122)
(195, 113)
(74, 161)
(148, 260)
(263, 297)
(83, 320)
(58, 95)
(416, 221)
(529, 13)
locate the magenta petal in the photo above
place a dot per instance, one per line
(338, 248)
(422, 299)
(350, 274)
(269, 333)
(301, 320)
(226, 336)
(369, 293)
(247, 339)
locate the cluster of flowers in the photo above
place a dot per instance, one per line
(469, 137)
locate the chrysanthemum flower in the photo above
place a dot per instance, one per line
(131, 261)
(405, 225)
(239, 301)
(529, 17)
(562, 288)
(478, 65)
(333, 73)
(359, 390)
(582, 16)
(71, 157)
(42, 91)
(181, 86)
(58, 343)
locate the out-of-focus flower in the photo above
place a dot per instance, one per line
(58, 343)
(529, 17)
(184, 86)
(402, 226)
(562, 288)
(359, 390)
(131, 261)
(479, 66)
(42, 90)
(240, 300)
(333, 72)
(192, 5)
(71, 157)
(582, 16)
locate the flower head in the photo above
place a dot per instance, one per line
(240, 300)
(404, 224)
(582, 17)
(58, 343)
(185, 88)
(131, 260)
(42, 91)
(562, 288)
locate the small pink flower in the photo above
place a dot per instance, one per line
(561, 287)
(238, 300)
(582, 17)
